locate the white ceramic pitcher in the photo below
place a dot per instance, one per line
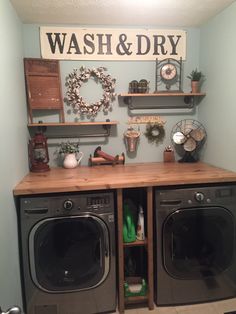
(72, 160)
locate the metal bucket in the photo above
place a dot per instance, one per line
(131, 139)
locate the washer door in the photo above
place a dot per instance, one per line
(198, 242)
(69, 253)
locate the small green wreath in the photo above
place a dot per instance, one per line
(155, 132)
(75, 80)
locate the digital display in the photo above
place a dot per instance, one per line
(224, 193)
(94, 201)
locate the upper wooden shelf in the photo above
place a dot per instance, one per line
(163, 94)
(189, 99)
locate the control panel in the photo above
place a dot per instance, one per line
(196, 196)
(70, 204)
(87, 202)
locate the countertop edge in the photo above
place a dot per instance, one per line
(132, 175)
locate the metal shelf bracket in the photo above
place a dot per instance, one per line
(190, 101)
(128, 100)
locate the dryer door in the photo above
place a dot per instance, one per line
(198, 242)
(69, 253)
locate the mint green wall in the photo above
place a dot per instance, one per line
(13, 156)
(218, 110)
(124, 72)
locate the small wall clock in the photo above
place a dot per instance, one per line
(168, 75)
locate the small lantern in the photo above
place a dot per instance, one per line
(38, 153)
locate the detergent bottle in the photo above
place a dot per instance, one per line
(140, 225)
(128, 225)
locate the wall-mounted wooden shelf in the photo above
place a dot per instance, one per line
(163, 94)
(106, 125)
(189, 99)
(46, 124)
(136, 243)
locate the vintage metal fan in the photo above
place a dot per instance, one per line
(188, 136)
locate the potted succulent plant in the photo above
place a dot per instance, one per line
(72, 155)
(195, 76)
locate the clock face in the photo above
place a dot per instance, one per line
(168, 72)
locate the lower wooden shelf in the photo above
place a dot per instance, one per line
(55, 124)
(44, 126)
(136, 300)
(136, 243)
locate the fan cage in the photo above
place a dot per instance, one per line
(185, 127)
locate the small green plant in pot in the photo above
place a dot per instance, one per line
(72, 155)
(196, 78)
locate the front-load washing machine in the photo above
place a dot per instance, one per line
(195, 258)
(68, 253)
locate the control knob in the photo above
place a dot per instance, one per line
(68, 205)
(199, 196)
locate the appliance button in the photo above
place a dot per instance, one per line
(199, 196)
(68, 205)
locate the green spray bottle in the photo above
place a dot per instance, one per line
(129, 234)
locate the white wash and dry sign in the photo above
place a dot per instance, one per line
(112, 44)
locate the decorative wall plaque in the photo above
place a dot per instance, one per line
(43, 85)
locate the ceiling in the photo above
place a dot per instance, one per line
(176, 13)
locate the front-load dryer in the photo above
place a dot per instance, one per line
(195, 244)
(68, 253)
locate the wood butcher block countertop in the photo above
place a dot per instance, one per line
(84, 178)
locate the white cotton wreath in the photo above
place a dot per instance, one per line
(74, 82)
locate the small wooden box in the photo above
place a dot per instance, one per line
(169, 156)
(43, 85)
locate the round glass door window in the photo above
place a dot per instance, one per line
(68, 254)
(198, 242)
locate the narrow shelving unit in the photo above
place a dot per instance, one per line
(146, 245)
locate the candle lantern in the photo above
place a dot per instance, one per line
(38, 153)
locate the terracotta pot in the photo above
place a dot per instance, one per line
(195, 86)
